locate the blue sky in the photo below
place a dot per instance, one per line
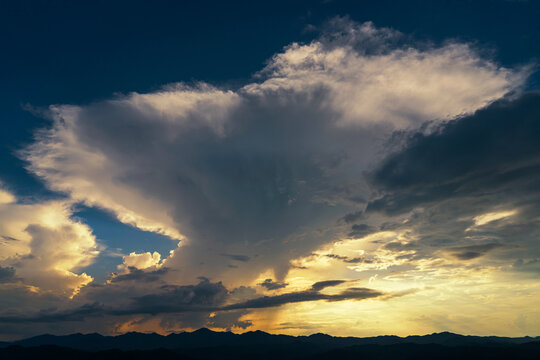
(254, 184)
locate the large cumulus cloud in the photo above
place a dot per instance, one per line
(361, 151)
(265, 170)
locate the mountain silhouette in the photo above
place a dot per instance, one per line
(208, 344)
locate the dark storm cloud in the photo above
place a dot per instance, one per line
(135, 274)
(531, 266)
(270, 284)
(203, 296)
(318, 286)
(493, 150)
(472, 251)
(349, 260)
(203, 299)
(7, 274)
(399, 246)
(354, 216)
(8, 238)
(303, 296)
(228, 319)
(360, 230)
(46, 316)
(441, 182)
(237, 257)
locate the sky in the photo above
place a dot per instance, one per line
(356, 168)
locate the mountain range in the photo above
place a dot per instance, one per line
(207, 344)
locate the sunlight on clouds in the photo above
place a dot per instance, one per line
(431, 309)
(90, 177)
(492, 216)
(487, 218)
(181, 104)
(423, 292)
(427, 307)
(401, 87)
(46, 246)
(6, 197)
(251, 182)
(140, 261)
(358, 254)
(366, 79)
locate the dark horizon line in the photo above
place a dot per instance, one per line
(207, 330)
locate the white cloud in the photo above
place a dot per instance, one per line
(45, 246)
(179, 104)
(403, 87)
(141, 261)
(87, 173)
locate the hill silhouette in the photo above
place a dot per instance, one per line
(207, 344)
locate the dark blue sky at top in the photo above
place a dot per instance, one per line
(81, 51)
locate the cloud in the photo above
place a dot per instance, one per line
(45, 246)
(472, 251)
(466, 189)
(254, 170)
(141, 261)
(368, 81)
(135, 274)
(6, 197)
(493, 149)
(318, 286)
(229, 319)
(199, 302)
(270, 284)
(150, 298)
(350, 260)
(7, 274)
(361, 151)
(43, 251)
(493, 216)
(203, 296)
(359, 230)
(242, 258)
(305, 296)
